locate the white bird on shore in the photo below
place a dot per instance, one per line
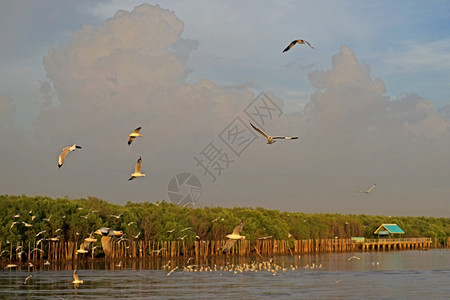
(134, 135)
(137, 170)
(270, 139)
(64, 153)
(233, 237)
(367, 191)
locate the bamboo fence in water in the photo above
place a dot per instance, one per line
(61, 250)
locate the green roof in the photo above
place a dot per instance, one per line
(391, 228)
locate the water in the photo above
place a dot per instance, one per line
(376, 275)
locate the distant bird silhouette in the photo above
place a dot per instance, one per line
(10, 266)
(27, 278)
(41, 232)
(292, 44)
(353, 257)
(270, 139)
(137, 170)
(108, 232)
(171, 271)
(367, 191)
(233, 237)
(134, 135)
(64, 153)
(116, 216)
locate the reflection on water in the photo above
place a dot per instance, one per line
(375, 275)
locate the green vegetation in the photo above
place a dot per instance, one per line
(72, 219)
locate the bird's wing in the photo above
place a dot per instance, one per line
(130, 139)
(238, 228)
(307, 43)
(63, 155)
(259, 130)
(290, 45)
(372, 187)
(285, 137)
(137, 168)
(75, 275)
(137, 130)
(228, 246)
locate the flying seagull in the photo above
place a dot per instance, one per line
(297, 42)
(233, 237)
(108, 232)
(137, 170)
(270, 139)
(134, 135)
(26, 279)
(368, 191)
(353, 257)
(116, 216)
(64, 153)
(76, 280)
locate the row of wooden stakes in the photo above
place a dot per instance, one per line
(170, 249)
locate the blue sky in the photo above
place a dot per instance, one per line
(378, 73)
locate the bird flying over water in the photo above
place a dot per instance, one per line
(64, 153)
(233, 237)
(76, 279)
(26, 279)
(296, 42)
(270, 139)
(353, 257)
(368, 191)
(137, 170)
(134, 135)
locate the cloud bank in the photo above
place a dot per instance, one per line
(131, 71)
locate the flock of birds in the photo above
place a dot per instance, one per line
(262, 266)
(135, 133)
(232, 238)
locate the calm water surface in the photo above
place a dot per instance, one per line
(376, 275)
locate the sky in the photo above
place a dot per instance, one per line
(370, 103)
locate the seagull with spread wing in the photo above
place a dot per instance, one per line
(233, 237)
(368, 191)
(76, 279)
(271, 139)
(64, 153)
(137, 170)
(296, 42)
(134, 135)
